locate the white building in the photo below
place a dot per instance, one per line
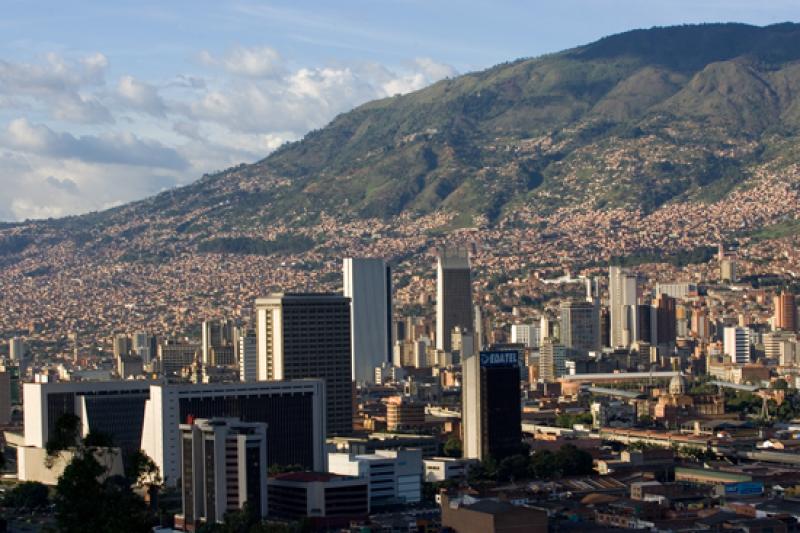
(737, 344)
(527, 334)
(446, 468)
(368, 284)
(294, 411)
(16, 349)
(394, 476)
(224, 465)
(622, 292)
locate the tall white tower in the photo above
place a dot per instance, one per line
(622, 288)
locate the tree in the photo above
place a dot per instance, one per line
(65, 434)
(27, 495)
(87, 498)
(453, 447)
(513, 467)
(543, 465)
(572, 461)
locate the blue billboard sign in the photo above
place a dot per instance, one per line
(503, 358)
(744, 488)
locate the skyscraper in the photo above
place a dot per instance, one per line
(580, 327)
(552, 360)
(368, 284)
(622, 287)
(737, 344)
(785, 312)
(490, 402)
(248, 356)
(16, 349)
(308, 336)
(527, 334)
(223, 466)
(453, 295)
(665, 318)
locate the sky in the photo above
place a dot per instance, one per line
(106, 102)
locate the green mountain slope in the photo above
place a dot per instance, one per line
(634, 120)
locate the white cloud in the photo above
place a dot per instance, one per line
(141, 96)
(118, 148)
(259, 62)
(72, 140)
(57, 86)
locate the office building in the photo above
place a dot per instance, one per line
(404, 414)
(491, 405)
(700, 325)
(327, 501)
(175, 356)
(525, 334)
(439, 469)
(113, 408)
(665, 318)
(248, 356)
(580, 327)
(728, 271)
(622, 293)
(16, 349)
(677, 290)
(394, 477)
(385, 441)
(293, 411)
(144, 346)
(223, 466)
(122, 346)
(785, 317)
(552, 361)
(737, 344)
(368, 284)
(5, 396)
(218, 340)
(308, 336)
(463, 343)
(453, 295)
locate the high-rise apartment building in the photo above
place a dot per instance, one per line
(580, 327)
(16, 349)
(248, 356)
(491, 414)
(122, 346)
(785, 317)
(622, 293)
(737, 344)
(453, 295)
(368, 284)
(526, 334)
(552, 360)
(218, 342)
(308, 336)
(728, 271)
(223, 466)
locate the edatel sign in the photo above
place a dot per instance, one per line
(500, 358)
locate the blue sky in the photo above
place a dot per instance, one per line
(105, 102)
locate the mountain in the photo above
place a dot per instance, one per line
(664, 123)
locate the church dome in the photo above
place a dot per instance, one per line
(677, 385)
